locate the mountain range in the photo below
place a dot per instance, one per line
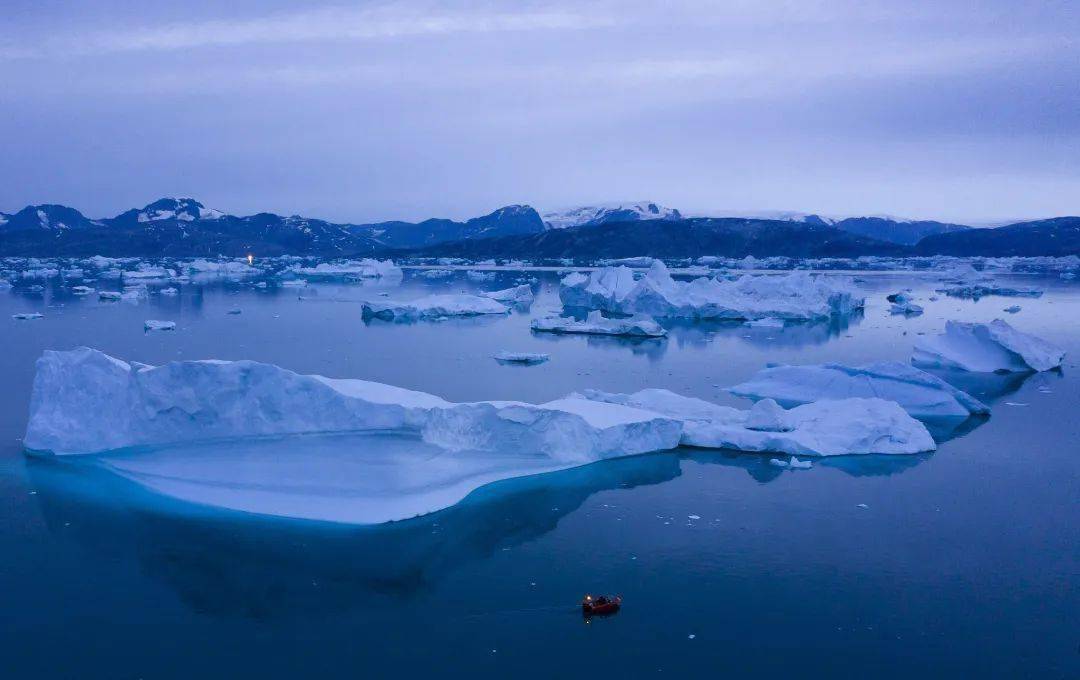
(184, 227)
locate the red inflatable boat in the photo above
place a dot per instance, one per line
(600, 606)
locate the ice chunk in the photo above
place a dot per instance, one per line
(795, 296)
(366, 268)
(27, 316)
(792, 463)
(967, 282)
(906, 308)
(986, 348)
(109, 295)
(191, 401)
(155, 325)
(527, 358)
(636, 326)
(919, 393)
(1012, 309)
(433, 306)
(82, 290)
(480, 276)
(169, 292)
(767, 322)
(823, 428)
(436, 273)
(522, 294)
(768, 416)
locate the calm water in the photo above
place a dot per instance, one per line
(963, 564)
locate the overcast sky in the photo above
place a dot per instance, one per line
(373, 110)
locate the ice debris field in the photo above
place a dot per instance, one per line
(256, 437)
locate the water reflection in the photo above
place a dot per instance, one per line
(233, 565)
(758, 466)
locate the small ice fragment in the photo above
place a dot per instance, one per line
(27, 316)
(862, 505)
(694, 516)
(1012, 310)
(235, 311)
(1014, 403)
(155, 325)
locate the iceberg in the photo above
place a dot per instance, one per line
(366, 268)
(906, 308)
(436, 273)
(433, 307)
(986, 348)
(155, 325)
(640, 326)
(830, 427)
(522, 294)
(82, 290)
(109, 295)
(201, 401)
(526, 358)
(797, 296)
(967, 282)
(919, 393)
(27, 316)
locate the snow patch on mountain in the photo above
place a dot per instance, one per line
(611, 212)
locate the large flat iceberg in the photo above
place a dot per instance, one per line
(823, 428)
(987, 348)
(433, 307)
(797, 296)
(639, 325)
(188, 401)
(919, 393)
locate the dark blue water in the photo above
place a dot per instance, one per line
(963, 563)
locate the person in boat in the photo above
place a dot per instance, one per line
(602, 600)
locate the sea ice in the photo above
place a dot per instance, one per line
(27, 316)
(82, 290)
(527, 358)
(522, 294)
(366, 268)
(155, 325)
(109, 295)
(433, 307)
(986, 348)
(921, 394)
(1012, 309)
(907, 308)
(823, 428)
(636, 326)
(794, 296)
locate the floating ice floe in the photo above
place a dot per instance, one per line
(792, 463)
(433, 307)
(526, 358)
(82, 290)
(235, 311)
(795, 296)
(767, 322)
(1012, 309)
(293, 283)
(169, 292)
(522, 294)
(480, 276)
(639, 325)
(436, 273)
(109, 295)
(919, 393)
(905, 307)
(967, 282)
(155, 325)
(831, 427)
(366, 268)
(188, 401)
(986, 348)
(27, 316)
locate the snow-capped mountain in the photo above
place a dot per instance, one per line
(613, 212)
(168, 209)
(46, 217)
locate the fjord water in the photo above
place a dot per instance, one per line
(963, 562)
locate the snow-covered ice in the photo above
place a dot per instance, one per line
(830, 427)
(906, 308)
(795, 296)
(640, 326)
(109, 295)
(27, 316)
(156, 325)
(366, 268)
(986, 348)
(921, 394)
(433, 307)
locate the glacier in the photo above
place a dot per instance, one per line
(433, 307)
(639, 325)
(921, 394)
(797, 296)
(830, 427)
(986, 348)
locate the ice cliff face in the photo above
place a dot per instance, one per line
(85, 401)
(795, 296)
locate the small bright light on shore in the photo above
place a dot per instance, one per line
(251, 258)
